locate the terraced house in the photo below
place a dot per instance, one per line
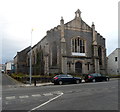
(73, 47)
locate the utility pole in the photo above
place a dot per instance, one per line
(31, 58)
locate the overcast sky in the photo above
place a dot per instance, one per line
(18, 17)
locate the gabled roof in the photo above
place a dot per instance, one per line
(116, 50)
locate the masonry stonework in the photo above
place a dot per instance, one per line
(73, 47)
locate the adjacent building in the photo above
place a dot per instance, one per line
(114, 62)
(73, 47)
(2, 68)
(20, 61)
(9, 67)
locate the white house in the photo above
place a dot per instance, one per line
(113, 67)
(9, 67)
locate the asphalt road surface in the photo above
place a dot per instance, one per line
(7, 81)
(83, 96)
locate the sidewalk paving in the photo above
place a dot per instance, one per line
(38, 84)
(44, 84)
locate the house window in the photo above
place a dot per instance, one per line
(78, 46)
(115, 58)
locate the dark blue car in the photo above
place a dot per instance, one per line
(62, 78)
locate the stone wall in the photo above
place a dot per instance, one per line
(20, 61)
(57, 48)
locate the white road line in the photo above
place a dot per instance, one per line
(56, 92)
(47, 94)
(36, 95)
(115, 87)
(0, 98)
(45, 102)
(10, 98)
(23, 96)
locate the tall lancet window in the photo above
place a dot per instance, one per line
(54, 53)
(100, 55)
(78, 46)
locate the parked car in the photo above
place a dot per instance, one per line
(96, 77)
(62, 78)
(2, 71)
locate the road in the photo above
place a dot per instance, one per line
(83, 96)
(7, 81)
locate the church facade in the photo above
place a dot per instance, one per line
(71, 48)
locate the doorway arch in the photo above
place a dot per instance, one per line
(78, 67)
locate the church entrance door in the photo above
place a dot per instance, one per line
(78, 67)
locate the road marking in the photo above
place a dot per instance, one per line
(23, 96)
(36, 95)
(45, 102)
(56, 92)
(10, 98)
(0, 98)
(114, 87)
(47, 94)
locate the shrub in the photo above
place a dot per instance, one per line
(114, 76)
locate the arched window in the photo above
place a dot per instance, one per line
(78, 46)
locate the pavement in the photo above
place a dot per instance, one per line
(38, 84)
(50, 83)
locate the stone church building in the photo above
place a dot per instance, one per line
(73, 47)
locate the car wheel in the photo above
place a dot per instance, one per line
(93, 80)
(60, 82)
(77, 81)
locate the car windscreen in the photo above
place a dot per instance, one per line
(70, 76)
(94, 75)
(99, 75)
(62, 76)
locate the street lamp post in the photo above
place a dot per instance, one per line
(31, 58)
